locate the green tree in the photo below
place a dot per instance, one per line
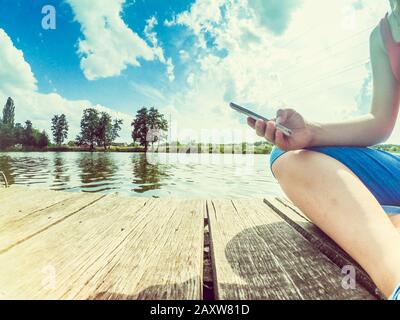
(28, 138)
(158, 126)
(89, 128)
(59, 128)
(9, 113)
(98, 129)
(148, 127)
(43, 140)
(104, 129)
(108, 130)
(18, 133)
(141, 127)
(7, 138)
(116, 128)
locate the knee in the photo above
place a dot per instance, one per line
(291, 164)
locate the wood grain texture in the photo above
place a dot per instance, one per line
(115, 248)
(293, 215)
(56, 245)
(23, 200)
(258, 255)
(26, 213)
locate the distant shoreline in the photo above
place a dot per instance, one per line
(181, 149)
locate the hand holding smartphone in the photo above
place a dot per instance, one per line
(286, 131)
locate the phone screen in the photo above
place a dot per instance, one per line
(247, 112)
(286, 131)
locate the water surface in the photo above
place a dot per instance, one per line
(188, 176)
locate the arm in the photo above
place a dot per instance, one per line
(366, 130)
(376, 126)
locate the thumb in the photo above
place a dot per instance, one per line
(281, 116)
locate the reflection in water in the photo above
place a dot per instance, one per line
(6, 167)
(60, 172)
(189, 176)
(147, 176)
(97, 172)
(25, 170)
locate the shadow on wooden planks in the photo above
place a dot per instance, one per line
(292, 272)
(174, 291)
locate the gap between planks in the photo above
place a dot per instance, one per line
(211, 273)
(148, 271)
(258, 255)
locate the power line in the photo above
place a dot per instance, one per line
(331, 88)
(318, 62)
(313, 63)
(322, 78)
(299, 36)
(331, 46)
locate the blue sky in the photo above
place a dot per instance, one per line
(189, 59)
(53, 59)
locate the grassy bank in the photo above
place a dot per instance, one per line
(244, 148)
(259, 148)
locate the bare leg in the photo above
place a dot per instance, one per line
(395, 219)
(340, 204)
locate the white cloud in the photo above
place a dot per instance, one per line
(170, 70)
(201, 18)
(15, 73)
(190, 79)
(151, 35)
(18, 81)
(274, 14)
(151, 93)
(318, 64)
(149, 31)
(109, 45)
(184, 55)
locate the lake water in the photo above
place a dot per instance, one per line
(188, 176)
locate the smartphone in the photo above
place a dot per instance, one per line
(286, 131)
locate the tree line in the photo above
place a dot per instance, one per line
(12, 133)
(97, 129)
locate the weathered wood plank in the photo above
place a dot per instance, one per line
(117, 248)
(21, 219)
(293, 215)
(21, 201)
(13, 191)
(257, 255)
(163, 259)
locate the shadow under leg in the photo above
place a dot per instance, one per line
(341, 205)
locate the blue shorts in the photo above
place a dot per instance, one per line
(378, 170)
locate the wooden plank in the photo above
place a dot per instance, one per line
(37, 211)
(257, 255)
(165, 260)
(13, 191)
(22, 200)
(293, 215)
(119, 248)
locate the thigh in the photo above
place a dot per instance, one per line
(378, 170)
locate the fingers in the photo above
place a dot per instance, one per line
(260, 128)
(270, 132)
(251, 122)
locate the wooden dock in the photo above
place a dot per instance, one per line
(57, 245)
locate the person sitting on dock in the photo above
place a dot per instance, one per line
(351, 191)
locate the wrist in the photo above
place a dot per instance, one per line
(315, 133)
